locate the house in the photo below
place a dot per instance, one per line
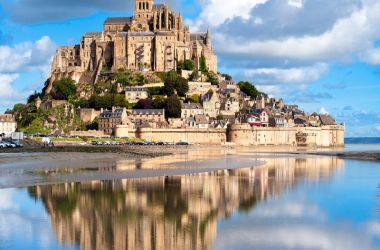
(190, 122)
(230, 106)
(109, 119)
(264, 118)
(261, 101)
(191, 109)
(327, 120)
(277, 121)
(155, 117)
(134, 94)
(201, 121)
(211, 104)
(8, 125)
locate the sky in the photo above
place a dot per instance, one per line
(320, 54)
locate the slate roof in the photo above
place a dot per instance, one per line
(119, 20)
(109, 114)
(134, 89)
(148, 111)
(201, 119)
(327, 120)
(191, 106)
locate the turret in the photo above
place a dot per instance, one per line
(208, 39)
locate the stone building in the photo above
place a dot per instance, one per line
(148, 118)
(191, 110)
(211, 104)
(109, 119)
(154, 39)
(134, 94)
(8, 125)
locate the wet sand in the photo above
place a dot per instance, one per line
(354, 155)
(41, 168)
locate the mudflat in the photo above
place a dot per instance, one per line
(75, 164)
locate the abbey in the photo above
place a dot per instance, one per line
(154, 39)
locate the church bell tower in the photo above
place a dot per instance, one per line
(143, 8)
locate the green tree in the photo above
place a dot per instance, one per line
(174, 83)
(188, 65)
(94, 125)
(124, 77)
(173, 107)
(212, 78)
(159, 103)
(63, 89)
(202, 64)
(194, 99)
(182, 86)
(227, 76)
(33, 97)
(249, 89)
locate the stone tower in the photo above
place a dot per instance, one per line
(143, 8)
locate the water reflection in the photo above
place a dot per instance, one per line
(169, 212)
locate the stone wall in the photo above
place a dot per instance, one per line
(327, 136)
(202, 136)
(90, 133)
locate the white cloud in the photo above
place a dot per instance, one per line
(216, 12)
(7, 91)
(296, 3)
(371, 56)
(378, 128)
(301, 75)
(27, 56)
(324, 111)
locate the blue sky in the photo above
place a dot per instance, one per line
(323, 55)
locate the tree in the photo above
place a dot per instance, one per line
(124, 77)
(63, 89)
(249, 89)
(227, 76)
(33, 97)
(182, 86)
(144, 104)
(173, 107)
(94, 125)
(202, 64)
(194, 99)
(159, 103)
(107, 101)
(212, 78)
(174, 83)
(188, 65)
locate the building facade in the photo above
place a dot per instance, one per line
(154, 39)
(109, 119)
(8, 125)
(135, 94)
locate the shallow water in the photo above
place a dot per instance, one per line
(289, 203)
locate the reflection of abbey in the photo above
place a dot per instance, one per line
(154, 39)
(173, 213)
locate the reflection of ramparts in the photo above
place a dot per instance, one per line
(168, 213)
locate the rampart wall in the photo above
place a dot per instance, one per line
(327, 136)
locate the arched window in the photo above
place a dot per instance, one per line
(140, 6)
(147, 6)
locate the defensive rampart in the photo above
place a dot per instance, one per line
(326, 136)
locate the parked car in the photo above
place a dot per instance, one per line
(2, 144)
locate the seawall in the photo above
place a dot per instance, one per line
(244, 134)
